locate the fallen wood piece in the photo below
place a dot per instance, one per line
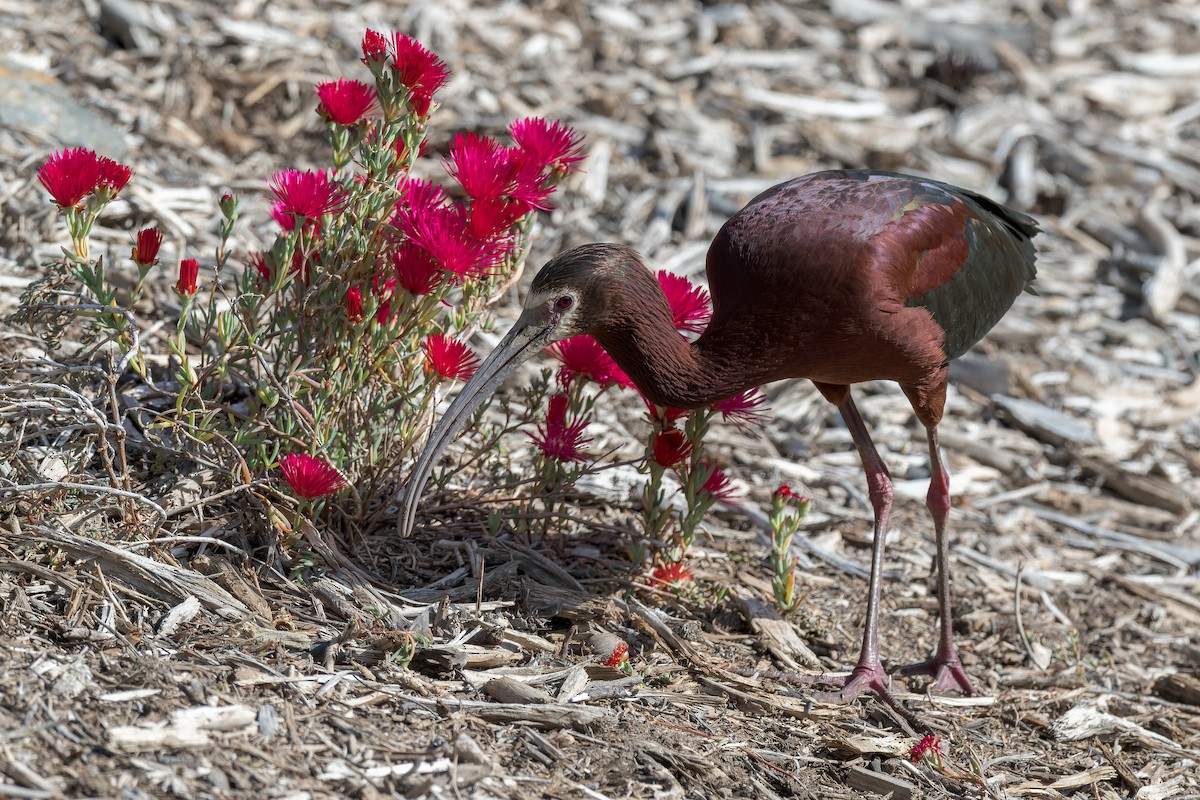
(778, 635)
(507, 690)
(553, 716)
(1043, 423)
(164, 582)
(1089, 719)
(1144, 489)
(1086, 778)
(880, 783)
(1179, 687)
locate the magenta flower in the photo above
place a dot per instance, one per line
(189, 273)
(480, 164)
(280, 214)
(71, 175)
(548, 144)
(146, 244)
(449, 358)
(354, 304)
(670, 447)
(690, 304)
(416, 67)
(582, 356)
(442, 232)
(383, 289)
(667, 415)
(744, 410)
(310, 477)
(490, 219)
(308, 194)
(489, 171)
(258, 261)
(420, 195)
(374, 46)
(558, 438)
(415, 270)
(718, 485)
(113, 176)
(346, 102)
(928, 749)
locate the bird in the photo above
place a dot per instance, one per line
(840, 277)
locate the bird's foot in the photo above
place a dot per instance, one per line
(947, 672)
(866, 677)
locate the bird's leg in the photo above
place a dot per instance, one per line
(945, 666)
(868, 674)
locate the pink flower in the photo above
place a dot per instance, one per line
(420, 195)
(559, 439)
(670, 447)
(145, 248)
(258, 261)
(442, 232)
(71, 175)
(354, 304)
(416, 67)
(280, 214)
(673, 574)
(310, 477)
(494, 218)
(189, 273)
(480, 165)
(690, 305)
(548, 144)
(374, 46)
(449, 358)
(415, 270)
(928, 749)
(346, 102)
(582, 356)
(489, 171)
(310, 195)
(718, 485)
(114, 176)
(743, 409)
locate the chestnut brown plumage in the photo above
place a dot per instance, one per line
(839, 277)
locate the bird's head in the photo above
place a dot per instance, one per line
(571, 295)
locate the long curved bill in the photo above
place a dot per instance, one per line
(524, 340)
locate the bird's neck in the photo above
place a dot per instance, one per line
(639, 333)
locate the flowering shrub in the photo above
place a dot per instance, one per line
(320, 362)
(324, 356)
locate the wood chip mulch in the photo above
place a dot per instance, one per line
(457, 664)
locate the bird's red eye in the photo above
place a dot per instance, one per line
(564, 302)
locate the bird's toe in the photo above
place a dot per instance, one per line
(947, 673)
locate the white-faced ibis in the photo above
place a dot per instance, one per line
(838, 277)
